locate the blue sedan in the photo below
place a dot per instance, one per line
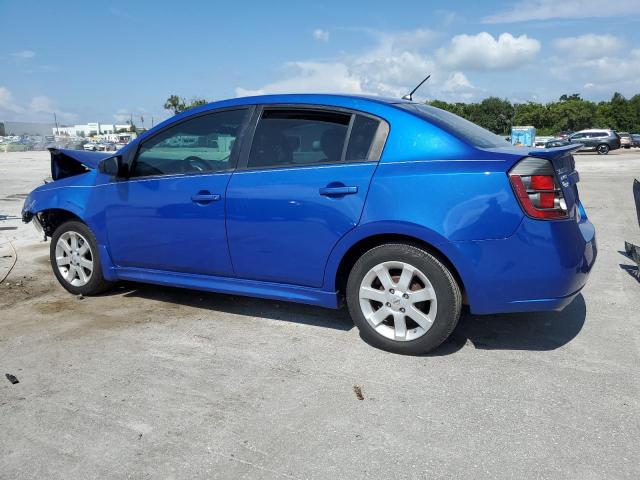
(401, 209)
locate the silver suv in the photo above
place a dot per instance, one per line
(599, 139)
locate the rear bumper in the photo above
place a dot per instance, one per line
(543, 266)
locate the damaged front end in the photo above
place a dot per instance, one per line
(51, 204)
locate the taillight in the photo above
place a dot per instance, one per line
(534, 182)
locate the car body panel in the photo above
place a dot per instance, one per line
(274, 216)
(288, 243)
(154, 223)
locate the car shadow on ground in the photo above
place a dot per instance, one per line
(239, 305)
(538, 331)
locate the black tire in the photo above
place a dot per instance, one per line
(449, 298)
(96, 283)
(602, 149)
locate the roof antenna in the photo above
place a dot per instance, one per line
(409, 96)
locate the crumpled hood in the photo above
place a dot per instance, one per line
(66, 163)
(88, 159)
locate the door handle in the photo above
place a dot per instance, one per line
(342, 190)
(205, 197)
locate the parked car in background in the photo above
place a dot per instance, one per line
(599, 140)
(106, 147)
(402, 209)
(541, 141)
(635, 140)
(90, 146)
(625, 139)
(556, 142)
(564, 134)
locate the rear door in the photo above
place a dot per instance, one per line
(301, 185)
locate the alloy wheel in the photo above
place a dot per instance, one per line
(398, 301)
(74, 258)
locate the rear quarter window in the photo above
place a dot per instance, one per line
(458, 126)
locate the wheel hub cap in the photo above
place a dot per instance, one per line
(74, 258)
(398, 301)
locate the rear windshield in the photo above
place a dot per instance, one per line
(461, 128)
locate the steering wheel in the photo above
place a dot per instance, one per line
(195, 164)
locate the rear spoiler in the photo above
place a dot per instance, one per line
(67, 163)
(556, 152)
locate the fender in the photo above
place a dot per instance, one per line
(71, 195)
(367, 230)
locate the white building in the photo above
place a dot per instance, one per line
(90, 129)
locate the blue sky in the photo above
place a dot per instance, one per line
(103, 61)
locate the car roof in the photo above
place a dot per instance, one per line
(319, 98)
(586, 130)
(349, 101)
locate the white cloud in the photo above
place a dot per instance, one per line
(24, 54)
(589, 45)
(459, 85)
(484, 52)
(41, 105)
(604, 74)
(527, 10)
(306, 77)
(7, 104)
(122, 115)
(39, 108)
(321, 35)
(391, 67)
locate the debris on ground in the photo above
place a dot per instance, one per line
(12, 378)
(358, 391)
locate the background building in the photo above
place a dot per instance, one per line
(26, 128)
(90, 129)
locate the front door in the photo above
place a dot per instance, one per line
(302, 186)
(170, 214)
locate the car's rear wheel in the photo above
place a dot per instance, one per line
(602, 149)
(75, 259)
(403, 299)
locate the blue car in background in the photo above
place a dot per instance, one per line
(404, 210)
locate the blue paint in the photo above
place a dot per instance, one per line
(274, 233)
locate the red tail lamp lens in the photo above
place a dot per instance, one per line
(534, 183)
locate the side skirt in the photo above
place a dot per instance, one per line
(230, 285)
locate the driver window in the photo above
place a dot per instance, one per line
(200, 145)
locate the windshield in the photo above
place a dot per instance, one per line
(461, 128)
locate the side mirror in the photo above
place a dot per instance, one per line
(113, 166)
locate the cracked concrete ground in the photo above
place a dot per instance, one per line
(153, 382)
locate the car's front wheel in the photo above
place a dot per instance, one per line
(403, 299)
(75, 259)
(602, 149)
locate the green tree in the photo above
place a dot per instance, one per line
(178, 104)
(175, 103)
(2, 131)
(573, 96)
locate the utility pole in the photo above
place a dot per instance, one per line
(55, 119)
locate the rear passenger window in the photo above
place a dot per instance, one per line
(298, 137)
(363, 134)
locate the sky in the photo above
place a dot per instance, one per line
(106, 61)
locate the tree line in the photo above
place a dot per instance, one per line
(569, 113)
